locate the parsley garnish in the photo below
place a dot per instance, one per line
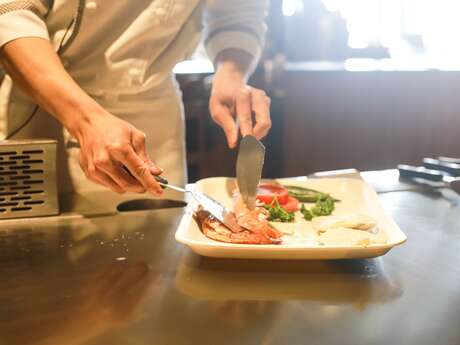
(324, 206)
(279, 214)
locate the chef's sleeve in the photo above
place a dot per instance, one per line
(22, 18)
(235, 24)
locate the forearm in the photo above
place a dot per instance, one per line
(35, 67)
(234, 33)
(235, 63)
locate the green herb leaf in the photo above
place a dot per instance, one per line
(306, 213)
(324, 207)
(279, 214)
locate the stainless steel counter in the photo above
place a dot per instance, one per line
(122, 279)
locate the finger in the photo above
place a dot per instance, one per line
(122, 178)
(244, 111)
(101, 178)
(138, 140)
(222, 115)
(93, 175)
(104, 164)
(261, 108)
(138, 168)
(106, 181)
(154, 170)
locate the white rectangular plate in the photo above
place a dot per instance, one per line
(356, 197)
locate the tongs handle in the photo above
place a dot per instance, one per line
(162, 181)
(165, 184)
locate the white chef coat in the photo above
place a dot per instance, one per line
(121, 52)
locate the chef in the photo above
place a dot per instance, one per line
(96, 75)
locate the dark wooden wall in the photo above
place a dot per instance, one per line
(336, 119)
(368, 120)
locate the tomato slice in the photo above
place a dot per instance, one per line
(291, 205)
(267, 192)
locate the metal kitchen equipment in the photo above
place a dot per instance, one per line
(249, 164)
(28, 185)
(452, 169)
(441, 179)
(449, 159)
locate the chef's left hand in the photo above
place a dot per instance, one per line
(233, 104)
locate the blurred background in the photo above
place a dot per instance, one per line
(363, 84)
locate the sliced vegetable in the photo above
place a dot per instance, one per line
(268, 192)
(292, 204)
(278, 213)
(306, 194)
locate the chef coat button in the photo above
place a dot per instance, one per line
(91, 5)
(160, 11)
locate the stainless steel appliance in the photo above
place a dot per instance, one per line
(28, 185)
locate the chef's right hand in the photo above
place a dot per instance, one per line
(108, 144)
(113, 154)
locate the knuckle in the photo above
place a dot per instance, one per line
(141, 170)
(140, 138)
(111, 148)
(243, 94)
(101, 161)
(259, 93)
(117, 147)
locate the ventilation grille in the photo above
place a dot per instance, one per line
(27, 179)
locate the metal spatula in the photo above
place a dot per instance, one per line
(215, 208)
(249, 166)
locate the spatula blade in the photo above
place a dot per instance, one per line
(249, 166)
